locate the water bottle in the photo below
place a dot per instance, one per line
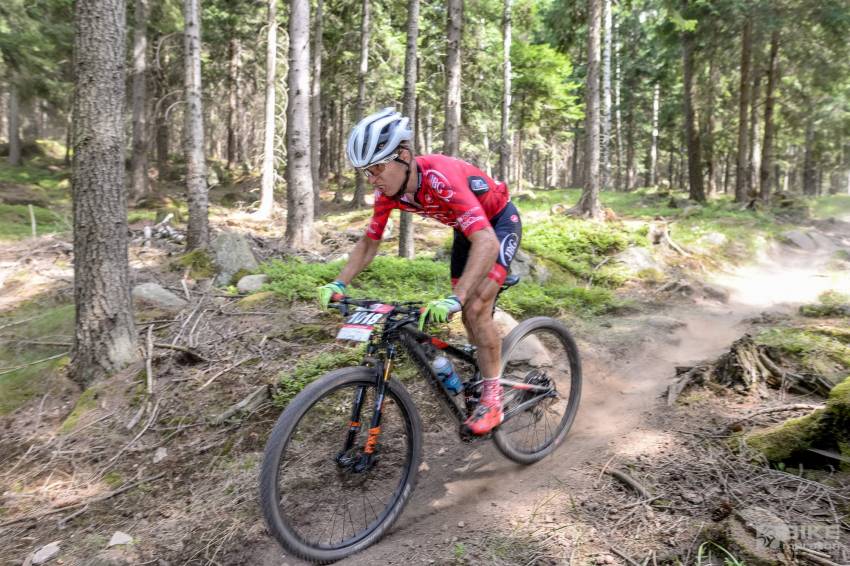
(447, 374)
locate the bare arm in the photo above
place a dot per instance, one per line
(482, 256)
(359, 259)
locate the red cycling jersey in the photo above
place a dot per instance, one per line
(450, 191)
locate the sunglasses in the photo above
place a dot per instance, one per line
(378, 167)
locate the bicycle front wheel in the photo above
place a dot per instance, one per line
(541, 354)
(320, 501)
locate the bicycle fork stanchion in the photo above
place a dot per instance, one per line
(343, 459)
(368, 459)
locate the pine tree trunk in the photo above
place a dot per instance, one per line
(234, 78)
(631, 173)
(588, 204)
(769, 101)
(605, 134)
(429, 130)
(695, 186)
(316, 109)
(711, 122)
(652, 167)
(454, 31)
(161, 133)
(755, 143)
(742, 174)
(340, 152)
(14, 126)
(405, 234)
(104, 333)
(197, 231)
(267, 183)
(299, 176)
(505, 131)
(575, 167)
(139, 159)
(618, 122)
(810, 174)
(360, 110)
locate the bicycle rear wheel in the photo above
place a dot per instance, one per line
(316, 501)
(540, 352)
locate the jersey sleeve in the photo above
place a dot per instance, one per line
(380, 214)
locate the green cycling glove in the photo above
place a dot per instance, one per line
(439, 310)
(326, 292)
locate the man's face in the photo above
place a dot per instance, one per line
(388, 177)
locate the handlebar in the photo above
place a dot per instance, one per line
(342, 304)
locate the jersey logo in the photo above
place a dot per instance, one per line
(478, 185)
(469, 218)
(440, 185)
(508, 248)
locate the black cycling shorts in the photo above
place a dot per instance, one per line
(508, 228)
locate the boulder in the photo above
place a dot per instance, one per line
(252, 283)
(530, 350)
(637, 259)
(154, 295)
(232, 253)
(45, 553)
(530, 267)
(800, 240)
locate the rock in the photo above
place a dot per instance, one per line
(712, 239)
(154, 295)
(232, 253)
(46, 552)
(530, 350)
(160, 454)
(756, 535)
(252, 283)
(637, 259)
(119, 538)
(528, 266)
(801, 240)
(716, 292)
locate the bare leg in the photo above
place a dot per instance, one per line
(480, 328)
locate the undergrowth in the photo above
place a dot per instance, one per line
(290, 383)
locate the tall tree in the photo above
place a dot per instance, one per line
(454, 32)
(197, 231)
(139, 158)
(711, 126)
(365, 32)
(742, 165)
(264, 211)
(104, 333)
(769, 101)
(234, 96)
(405, 235)
(14, 125)
(316, 107)
(754, 152)
(504, 141)
(652, 165)
(695, 186)
(299, 176)
(588, 204)
(605, 132)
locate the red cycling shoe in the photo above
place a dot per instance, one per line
(484, 419)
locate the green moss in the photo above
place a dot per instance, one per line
(531, 299)
(113, 479)
(290, 383)
(15, 222)
(817, 352)
(830, 304)
(239, 275)
(85, 403)
(199, 263)
(782, 441)
(831, 206)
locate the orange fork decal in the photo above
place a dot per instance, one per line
(354, 424)
(372, 441)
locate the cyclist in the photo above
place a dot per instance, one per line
(487, 233)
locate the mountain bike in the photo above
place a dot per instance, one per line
(342, 459)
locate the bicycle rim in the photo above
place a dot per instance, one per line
(328, 507)
(539, 352)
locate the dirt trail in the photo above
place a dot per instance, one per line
(627, 367)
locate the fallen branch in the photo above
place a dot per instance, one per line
(675, 389)
(86, 503)
(630, 482)
(149, 360)
(815, 557)
(225, 370)
(256, 398)
(4, 371)
(769, 410)
(624, 557)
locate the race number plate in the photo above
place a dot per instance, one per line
(360, 325)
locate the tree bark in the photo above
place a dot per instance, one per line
(588, 204)
(299, 177)
(605, 134)
(711, 125)
(316, 108)
(652, 166)
(405, 234)
(234, 80)
(631, 173)
(429, 130)
(197, 231)
(161, 133)
(14, 125)
(266, 208)
(695, 186)
(139, 159)
(618, 121)
(755, 145)
(505, 131)
(810, 176)
(365, 33)
(769, 101)
(741, 170)
(451, 133)
(104, 333)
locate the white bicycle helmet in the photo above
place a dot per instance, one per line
(375, 137)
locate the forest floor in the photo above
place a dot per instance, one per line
(177, 470)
